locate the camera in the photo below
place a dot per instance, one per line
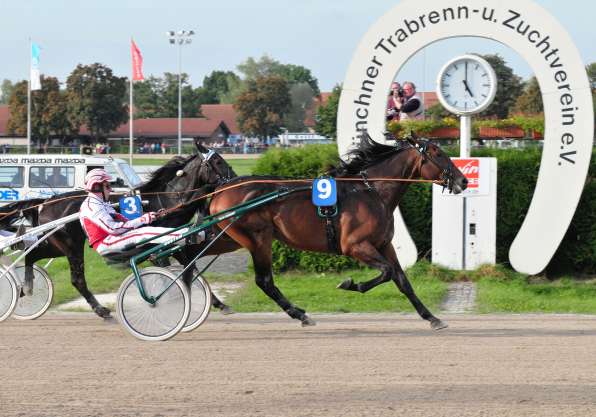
(400, 92)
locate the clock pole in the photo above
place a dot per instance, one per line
(465, 135)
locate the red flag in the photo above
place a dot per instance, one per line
(137, 62)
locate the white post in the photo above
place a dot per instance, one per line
(29, 103)
(465, 136)
(180, 97)
(130, 115)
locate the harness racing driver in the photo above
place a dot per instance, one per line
(109, 231)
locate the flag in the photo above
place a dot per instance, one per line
(35, 76)
(137, 62)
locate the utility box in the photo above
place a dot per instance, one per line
(464, 231)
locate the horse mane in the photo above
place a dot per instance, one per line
(367, 153)
(165, 173)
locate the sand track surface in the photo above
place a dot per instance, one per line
(74, 364)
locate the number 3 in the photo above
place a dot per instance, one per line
(131, 205)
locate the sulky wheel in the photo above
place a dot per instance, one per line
(8, 294)
(161, 320)
(200, 300)
(30, 307)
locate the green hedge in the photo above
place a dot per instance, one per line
(517, 174)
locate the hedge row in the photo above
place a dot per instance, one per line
(517, 174)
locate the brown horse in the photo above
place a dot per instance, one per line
(364, 225)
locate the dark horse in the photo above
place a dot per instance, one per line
(169, 186)
(364, 225)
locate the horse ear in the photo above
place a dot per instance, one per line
(200, 147)
(412, 138)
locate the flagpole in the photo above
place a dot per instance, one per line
(130, 112)
(29, 102)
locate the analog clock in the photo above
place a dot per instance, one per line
(466, 85)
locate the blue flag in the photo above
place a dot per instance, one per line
(35, 74)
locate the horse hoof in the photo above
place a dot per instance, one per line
(438, 324)
(307, 321)
(346, 284)
(226, 310)
(102, 312)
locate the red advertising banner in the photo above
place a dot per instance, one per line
(471, 170)
(137, 62)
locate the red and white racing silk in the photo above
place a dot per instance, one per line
(109, 231)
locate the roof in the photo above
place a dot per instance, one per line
(310, 114)
(429, 98)
(162, 127)
(225, 112)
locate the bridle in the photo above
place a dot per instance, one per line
(446, 178)
(205, 169)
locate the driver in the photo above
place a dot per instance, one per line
(109, 231)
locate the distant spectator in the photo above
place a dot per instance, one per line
(396, 98)
(412, 107)
(164, 147)
(56, 179)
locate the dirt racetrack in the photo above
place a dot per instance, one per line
(267, 365)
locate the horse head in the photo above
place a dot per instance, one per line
(434, 164)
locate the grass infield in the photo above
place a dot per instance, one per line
(499, 289)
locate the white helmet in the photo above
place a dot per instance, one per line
(96, 176)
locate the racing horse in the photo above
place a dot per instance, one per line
(178, 183)
(364, 225)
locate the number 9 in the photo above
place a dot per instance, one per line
(324, 188)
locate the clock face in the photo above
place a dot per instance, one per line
(466, 85)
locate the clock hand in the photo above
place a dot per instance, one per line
(468, 88)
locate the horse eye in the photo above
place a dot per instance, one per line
(179, 173)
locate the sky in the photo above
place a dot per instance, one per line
(318, 34)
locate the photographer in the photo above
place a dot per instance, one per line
(411, 107)
(395, 99)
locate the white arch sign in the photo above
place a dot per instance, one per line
(535, 35)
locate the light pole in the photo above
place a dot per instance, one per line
(180, 38)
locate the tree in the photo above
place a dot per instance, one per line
(6, 91)
(96, 98)
(327, 115)
(147, 100)
(263, 105)
(530, 101)
(158, 97)
(218, 84)
(294, 74)
(591, 70)
(508, 90)
(301, 97)
(48, 111)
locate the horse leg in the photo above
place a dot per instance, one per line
(28, 283)
(366, 253)
(77, 278)
(264, 279)
(404, 286)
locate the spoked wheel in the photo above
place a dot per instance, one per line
(200, 301)
(8, 294)
(30, 307)
(161, 320)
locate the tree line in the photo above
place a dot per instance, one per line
(269, 96)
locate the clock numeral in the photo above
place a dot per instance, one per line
(485, 75)
(455, 103)
(486, 85)
(483, 95)
(475, 102)
(477, 66)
